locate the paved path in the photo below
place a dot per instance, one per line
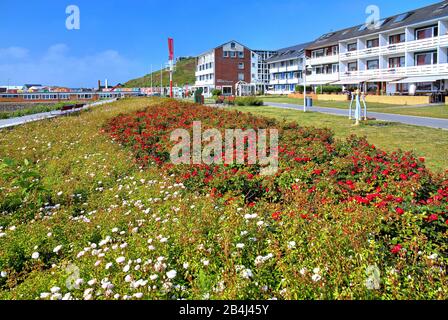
(412, 120)
(8, 123)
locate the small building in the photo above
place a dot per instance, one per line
(224, 66)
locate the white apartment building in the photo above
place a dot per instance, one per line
(285, 69)
(402, 54)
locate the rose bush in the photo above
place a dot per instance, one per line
(316, 171)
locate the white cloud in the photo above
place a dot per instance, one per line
(57, 66)
(13, 53)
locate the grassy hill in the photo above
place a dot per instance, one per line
(184, 74)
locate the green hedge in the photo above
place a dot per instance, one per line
(248, 102)
(329, 89)
(299, 89)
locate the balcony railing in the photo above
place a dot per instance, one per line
(285, 81)
(426, 70)
(330, 77)
(284, 69)
(323, 60)
(415, 45)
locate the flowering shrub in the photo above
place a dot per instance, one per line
(316, 171)
(340, 219)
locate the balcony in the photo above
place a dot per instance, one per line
(410, 46)
(427, 70)
(323, 60)
(285, 81)
(322, 78)
(284, 69)
(364, 53)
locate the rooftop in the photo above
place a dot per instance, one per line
(288, 53)
(416, 16)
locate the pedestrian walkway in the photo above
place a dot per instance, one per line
(12, 122)
(411, 120)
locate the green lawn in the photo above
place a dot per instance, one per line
(438, 111)
(33, 110)
(429, 143)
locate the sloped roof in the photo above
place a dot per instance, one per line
(288, 53)
(434, 11)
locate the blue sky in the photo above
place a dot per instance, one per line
(119, 40)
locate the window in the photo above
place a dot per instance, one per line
(363, 27)
(335, 68)
(241, 54)
(397, 62)
(372, 87)
(232, 54)
(226, 54)
(254, 65)
(233, 45)
(317, 53)
(425, 33)
(403, 17)
(425, 58)
(352, 47)
(424, 86)
(319, 70)
(241, 65)
(240, 76)
(397, 38)
(373, 43)
(373, 64)
(352, 66)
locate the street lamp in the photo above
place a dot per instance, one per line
(305, 71)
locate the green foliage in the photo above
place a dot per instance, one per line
(299, 89)
(216, 92)
(26, 184)
(301, 245)
(329, 89)
(33, 110)
(249, 101)
(184, 74)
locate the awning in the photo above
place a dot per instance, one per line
(421, 79)
(351, 81)
(318, 83)
(384, 79)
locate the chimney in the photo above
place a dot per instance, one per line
(107, 84)
(99, 85)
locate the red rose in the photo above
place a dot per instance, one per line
(433, 218)
(396, 249)
(399, 211)
(276, 216)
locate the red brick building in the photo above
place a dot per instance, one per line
(225, 66)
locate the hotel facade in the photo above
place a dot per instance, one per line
(286, 70)
(230, 65)
(403, 54)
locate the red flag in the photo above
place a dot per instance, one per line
(171, 48)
